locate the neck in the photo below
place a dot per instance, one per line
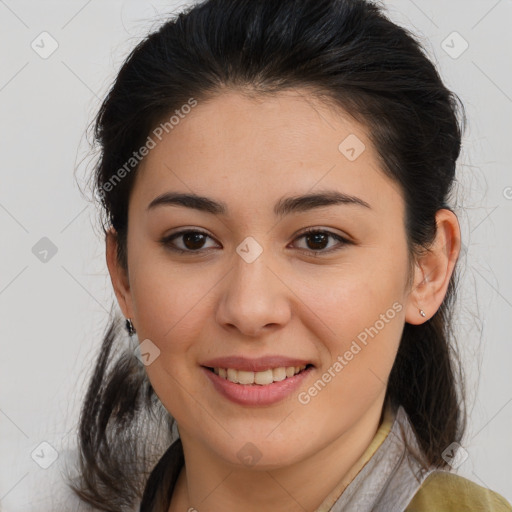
(207, 483)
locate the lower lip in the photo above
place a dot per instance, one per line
(254, 394)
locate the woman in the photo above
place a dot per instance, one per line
(275, 180)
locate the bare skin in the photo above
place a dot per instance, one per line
(248, 153)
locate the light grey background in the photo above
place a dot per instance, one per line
(52, 314)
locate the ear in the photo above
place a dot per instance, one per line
(118, 275)
(433, 269)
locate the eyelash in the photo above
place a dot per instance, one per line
(166, 241)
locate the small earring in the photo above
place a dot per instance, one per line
(129, 327)
(422, 313)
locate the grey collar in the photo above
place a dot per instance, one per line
(392, 476)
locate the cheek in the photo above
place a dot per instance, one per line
(365, 316)
(169, 303)
(368, 330)
(171, 309)
(350, 299)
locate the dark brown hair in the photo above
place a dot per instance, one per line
(346, 52)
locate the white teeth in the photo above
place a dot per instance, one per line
(232, 375)
(262, 378)
(279, 374)
(245, 377)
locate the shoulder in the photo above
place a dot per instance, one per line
(443, 491)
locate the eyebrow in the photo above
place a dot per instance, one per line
(284, 206)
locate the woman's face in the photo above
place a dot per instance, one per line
(249, 292)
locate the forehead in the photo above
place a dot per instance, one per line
(260, 148)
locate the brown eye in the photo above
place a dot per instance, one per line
(317, 240)
(191, 241)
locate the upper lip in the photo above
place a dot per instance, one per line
(254, 365)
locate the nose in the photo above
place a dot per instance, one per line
(254, 299)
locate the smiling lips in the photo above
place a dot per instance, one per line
(256, 382)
